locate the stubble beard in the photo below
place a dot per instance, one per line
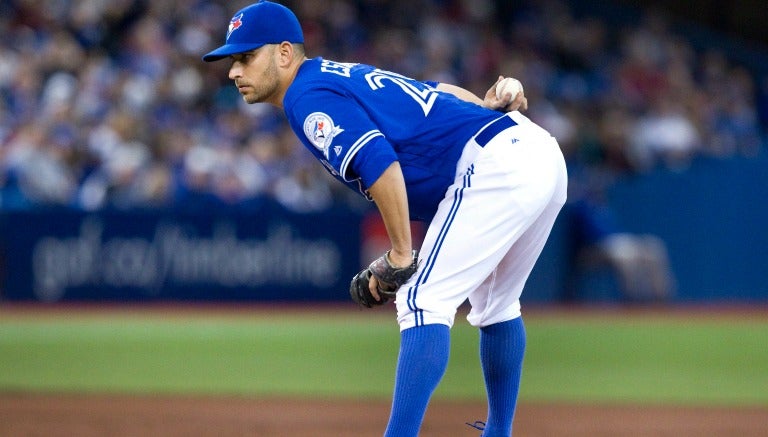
(265, 88)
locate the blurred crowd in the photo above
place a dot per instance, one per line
(107, 104)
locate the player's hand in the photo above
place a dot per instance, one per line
(374, 286)
(379, 282)
(364, 290)
(507, 103)
(400, 260)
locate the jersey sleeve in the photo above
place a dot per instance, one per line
(341, 135)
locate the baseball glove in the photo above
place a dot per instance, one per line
(390, 278)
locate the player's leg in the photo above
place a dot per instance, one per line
(473, 230)
(426, 309)
(503, 340)
(420, 366)
(426, 312)
(502, 347)
(495, 309)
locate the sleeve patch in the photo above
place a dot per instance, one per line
(320, 130)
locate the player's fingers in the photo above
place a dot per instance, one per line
(505, 101)
(524, 105)
(519, 103)
(373, 286)
(490, 100)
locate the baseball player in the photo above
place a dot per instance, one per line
(490, 183)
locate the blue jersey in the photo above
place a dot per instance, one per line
(357, 120)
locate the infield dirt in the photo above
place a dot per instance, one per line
(24, 414)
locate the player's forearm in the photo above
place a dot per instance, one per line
(460, 92)
(390, 196)
(503, 103)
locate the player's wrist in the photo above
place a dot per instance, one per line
(400, 258)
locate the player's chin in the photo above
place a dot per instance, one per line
(250, 98)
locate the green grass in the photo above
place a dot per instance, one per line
(196, 355)
(694, 361)
(596, 359)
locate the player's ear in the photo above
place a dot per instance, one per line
(284, 54)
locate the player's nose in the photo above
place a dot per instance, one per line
(234, 72)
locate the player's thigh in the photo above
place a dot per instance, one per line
(498, 298)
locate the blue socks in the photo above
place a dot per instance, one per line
(502, 347)
(420, 366)
(422, 362)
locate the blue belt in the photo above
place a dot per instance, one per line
(487, 133)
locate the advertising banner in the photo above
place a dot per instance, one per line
(270, 254)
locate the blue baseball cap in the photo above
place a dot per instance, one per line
(256, 25)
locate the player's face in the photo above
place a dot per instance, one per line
(255, 74)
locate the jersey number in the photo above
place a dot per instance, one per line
(425, 98)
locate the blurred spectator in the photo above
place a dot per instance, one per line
(639, 261)
(664, 133)
(303, 190)
(36, 166)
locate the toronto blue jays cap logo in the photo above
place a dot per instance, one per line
(234, 24)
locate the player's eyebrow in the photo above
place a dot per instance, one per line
(240, 56)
